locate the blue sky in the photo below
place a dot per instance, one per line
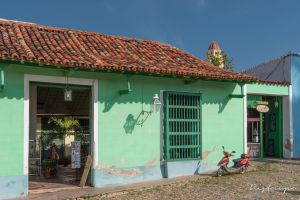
(251, 32)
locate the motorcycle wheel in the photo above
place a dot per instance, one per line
(220, 172)
(243, 170)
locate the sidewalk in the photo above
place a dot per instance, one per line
(61, 191)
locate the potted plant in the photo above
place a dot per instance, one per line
(49, 168)
(66, 126)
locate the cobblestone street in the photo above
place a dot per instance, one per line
(274, 180)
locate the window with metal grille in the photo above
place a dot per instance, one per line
(182, 124)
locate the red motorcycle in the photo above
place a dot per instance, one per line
(240, 165)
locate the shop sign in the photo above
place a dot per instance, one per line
(262, 106)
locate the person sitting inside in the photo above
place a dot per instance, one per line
(53, 153)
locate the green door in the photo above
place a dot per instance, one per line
(273, 136)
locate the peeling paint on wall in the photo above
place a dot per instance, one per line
(206, 153)
(127, 172)
(121, 176)
(100, 167)
(110, 169)
(288, 145)
(151, 163)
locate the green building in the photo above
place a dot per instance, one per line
(146, 110)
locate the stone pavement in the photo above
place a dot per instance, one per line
(56, 191)
(210, 187)
(272, 180)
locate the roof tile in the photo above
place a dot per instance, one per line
(71, 48)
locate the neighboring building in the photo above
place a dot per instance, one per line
(114, 86)
(214, 50)
(285, 69)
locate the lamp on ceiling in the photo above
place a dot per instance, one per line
(276, 104)
(67, 91)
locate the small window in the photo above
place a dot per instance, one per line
(182, 124)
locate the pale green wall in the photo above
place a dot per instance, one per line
(267, 89)
(11, 125)
(222, 122)
(219, 114)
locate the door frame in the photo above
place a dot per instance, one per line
(93, 83)
(284, 125)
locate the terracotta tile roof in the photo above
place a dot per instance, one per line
(214, 46)
(20, 41)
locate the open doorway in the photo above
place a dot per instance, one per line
(59, 134)
(273, 134)
(264, 131)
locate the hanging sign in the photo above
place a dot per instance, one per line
(75, 156)
(262, 106)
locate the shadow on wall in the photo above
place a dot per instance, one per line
(215, 93)
(188, 167)
(131, 121)
(13, 85)
(205, 158)
(11, 93)
(143, 91)
(109, 104)
(222, 104)
(129, 124)
(220, 96)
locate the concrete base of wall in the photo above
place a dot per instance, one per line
(121, 176)
(13, 186)
(17, 186)
(185, 168)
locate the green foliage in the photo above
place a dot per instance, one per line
(66, 127)
(216, 59)
(220, 58)
(67, 124)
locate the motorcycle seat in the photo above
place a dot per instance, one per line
(237, 160)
